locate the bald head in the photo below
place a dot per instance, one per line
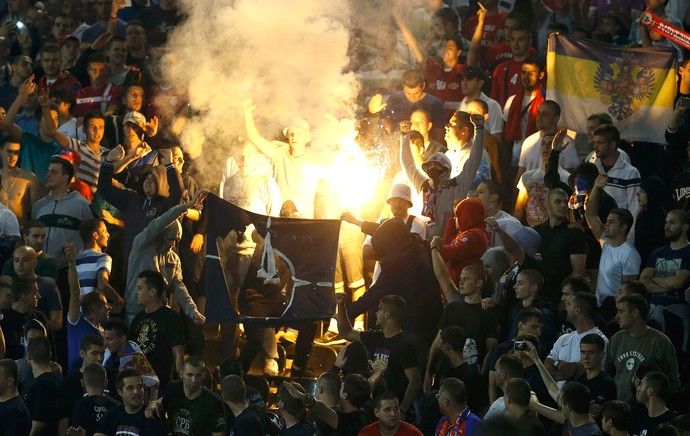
(557, 192)
(24, 261)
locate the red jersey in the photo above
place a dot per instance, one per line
(405, 429)
(491, 26)
(91, 99)
(499, 53)
(444, 85)
(65, 80)
(506, 81)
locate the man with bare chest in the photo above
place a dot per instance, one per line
(19, 187)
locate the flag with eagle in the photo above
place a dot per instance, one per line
(265, 269)
(636, 86)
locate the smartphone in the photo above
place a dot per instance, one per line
(20, 25)
(519, 345)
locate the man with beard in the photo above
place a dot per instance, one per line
(51, 62)
(129, 417)
(435, 184)
(387, 410)
(667, 275)
(668, 268)
(191, 407)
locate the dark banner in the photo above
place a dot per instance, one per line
(267, 269)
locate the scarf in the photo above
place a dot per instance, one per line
(444, 427)
(578, 200)
(516, 112)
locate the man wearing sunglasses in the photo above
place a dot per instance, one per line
(19, 189)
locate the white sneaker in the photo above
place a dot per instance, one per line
(271, 368)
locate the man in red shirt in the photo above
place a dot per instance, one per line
(387, 410)
(506, 78)
(493, 22)
(51, 62)
(101, 95)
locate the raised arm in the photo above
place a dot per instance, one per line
(592, 209)
(407, 35)
(264, 146)
(74, 291)
(549, 382)
(414, 174)
(118, 197)
(49, 124)
(476, 42)
(344, 326)
(25, 90)
(441, 271)
(469, 169)
(510, 244)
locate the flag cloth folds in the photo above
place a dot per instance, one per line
(295, 256)
(636, 86)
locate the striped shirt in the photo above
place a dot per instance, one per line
(91, 162)
(89, 263)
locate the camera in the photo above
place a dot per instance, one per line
(520, 345)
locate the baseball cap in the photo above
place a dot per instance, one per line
(136, 118)
(473, 72)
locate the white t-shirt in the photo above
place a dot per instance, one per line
(530, 153)
(495, 123)
(615, 262)
(498, 408)
(8, 222)
(418, 226)
(567, 348)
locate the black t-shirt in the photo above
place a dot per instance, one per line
(602, 388)
(15, 418)
(530, 424)
(12, 324)
(42, 401)
(70, 392)
(478, 324)
(642, 425)
(156, 333)
(557, 245)
(350, 424)
(254, 397)
(249, 422)
(201, 416)
(299, 429)
(401, 356)
(117, 422)
(89, 411)
(477, 395)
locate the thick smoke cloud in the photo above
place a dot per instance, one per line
(288, 56)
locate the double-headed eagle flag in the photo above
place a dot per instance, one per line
(304, 250)
(636, 86)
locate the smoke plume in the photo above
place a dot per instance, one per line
(288, 56)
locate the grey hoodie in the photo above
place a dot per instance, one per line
(62, 218)
(449, 189)
(147, 253)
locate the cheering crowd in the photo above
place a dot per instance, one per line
(505, 274)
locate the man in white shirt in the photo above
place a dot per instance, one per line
(623, 178)
(473, 79)
(547, 122)
(563, 362)
(619, 260)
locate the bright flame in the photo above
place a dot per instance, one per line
(354, 178)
